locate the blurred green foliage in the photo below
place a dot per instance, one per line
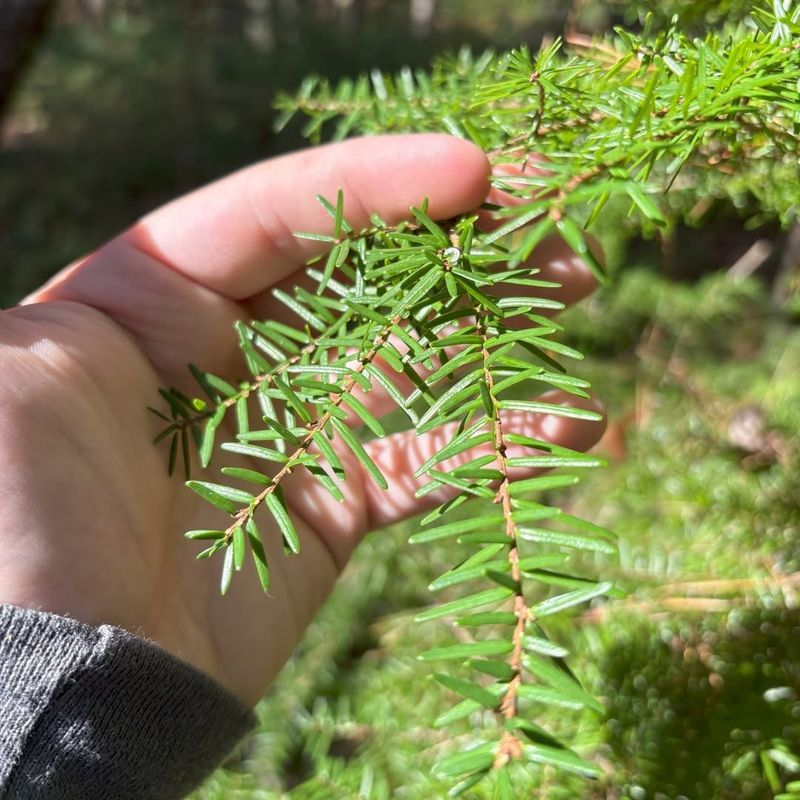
(699, 665)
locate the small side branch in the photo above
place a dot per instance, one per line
(314, 428)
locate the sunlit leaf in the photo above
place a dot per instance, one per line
(277, 505)
(461, 652)
(360, 453)
(465, 604)
(471, 691)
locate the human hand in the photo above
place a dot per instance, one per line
(90, 523)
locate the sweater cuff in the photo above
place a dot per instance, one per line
(91, 713)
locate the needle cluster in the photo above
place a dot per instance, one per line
(417, 304)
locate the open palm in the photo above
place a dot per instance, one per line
(90, 522)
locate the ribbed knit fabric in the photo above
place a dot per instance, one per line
(89, 713)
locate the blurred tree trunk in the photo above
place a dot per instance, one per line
(232, 16)
(96, 10)
(259, 26)
(422, 13)
(195, 16)
(22, 25)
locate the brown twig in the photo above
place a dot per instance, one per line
(510, 746)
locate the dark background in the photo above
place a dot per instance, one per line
(126, 103)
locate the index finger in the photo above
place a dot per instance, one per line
(236, 236)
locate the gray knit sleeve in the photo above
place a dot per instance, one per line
(89, 713)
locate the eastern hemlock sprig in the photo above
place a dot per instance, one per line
(614, 122)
